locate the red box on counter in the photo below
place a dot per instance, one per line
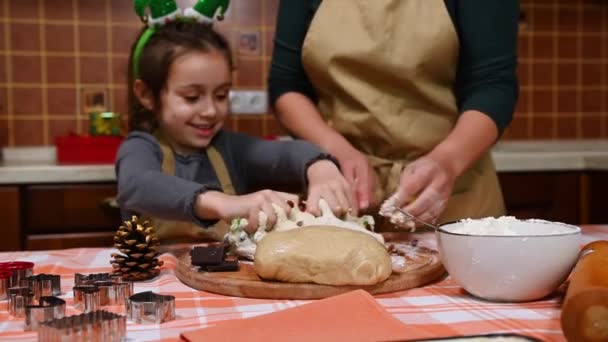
(82, 149)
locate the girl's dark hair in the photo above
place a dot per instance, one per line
(165, 46)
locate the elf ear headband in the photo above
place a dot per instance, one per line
(162, 12)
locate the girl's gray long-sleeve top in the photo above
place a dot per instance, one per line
(253, 164)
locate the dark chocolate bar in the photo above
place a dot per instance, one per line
(226, 266)
(208, 255)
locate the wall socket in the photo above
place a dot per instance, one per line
(248, 102)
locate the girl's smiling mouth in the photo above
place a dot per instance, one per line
(205, 130)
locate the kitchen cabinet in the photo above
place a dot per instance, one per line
(597, 193)
(58, 216)
(554, 196)
(10, 205)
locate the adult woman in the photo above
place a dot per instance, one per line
(409, 95)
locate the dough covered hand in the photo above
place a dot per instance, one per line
(424, 190)
(325, 181)
(257, 203)
(358, 172)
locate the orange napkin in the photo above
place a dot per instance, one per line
(353, 316)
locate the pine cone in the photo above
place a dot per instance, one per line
(138, 257)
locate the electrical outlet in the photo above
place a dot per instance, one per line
(248, 102)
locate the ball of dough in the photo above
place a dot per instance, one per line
(323, 255)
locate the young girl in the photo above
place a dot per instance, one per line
(178, 165)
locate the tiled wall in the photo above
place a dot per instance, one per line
(51, 49)
(563, 70)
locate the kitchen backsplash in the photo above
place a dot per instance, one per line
(51, 51)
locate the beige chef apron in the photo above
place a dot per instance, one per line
(384, 71)
(178, 231)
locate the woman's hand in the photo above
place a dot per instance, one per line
(214, 204)
(325, 181)
(358, 172)
(425, 188)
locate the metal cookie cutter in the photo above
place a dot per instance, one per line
(90, 279)
(86, 298)
(43, 285)
(19, 270)
(92, 326)
(18, 299)
(149, 307)
(114, 293)
(48, 308)
(112, 290)
(5, 279)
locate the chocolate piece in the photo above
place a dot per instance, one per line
(208, 255)
(226, 266)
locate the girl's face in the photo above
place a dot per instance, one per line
(195, 100)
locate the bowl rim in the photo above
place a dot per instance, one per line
(576, 230)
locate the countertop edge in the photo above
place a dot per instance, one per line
(542, 156)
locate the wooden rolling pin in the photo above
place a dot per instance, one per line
(585, 309)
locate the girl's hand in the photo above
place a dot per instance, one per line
(358, 172)
(425, 188)
(325, 181)
(228, 207)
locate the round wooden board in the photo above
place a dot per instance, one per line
(422, 268)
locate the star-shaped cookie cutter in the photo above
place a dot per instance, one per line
(111, 290)
(92, 278)
(149, 307)
(43, 285)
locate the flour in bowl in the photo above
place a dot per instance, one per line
(508, 225)
(487, 226)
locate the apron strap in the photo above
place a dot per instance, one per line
(215, 157)
(176, 232)
(217, 162)
(168, 165)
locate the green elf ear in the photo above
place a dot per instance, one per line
(207, 11)
(161, 11)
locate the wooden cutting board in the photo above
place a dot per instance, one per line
(423, 267)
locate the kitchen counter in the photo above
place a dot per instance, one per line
(559, 155)
(26, 165)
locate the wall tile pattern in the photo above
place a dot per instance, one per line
(52, 49)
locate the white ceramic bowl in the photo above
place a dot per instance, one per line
(513, 268)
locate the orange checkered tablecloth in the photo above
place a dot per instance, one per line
(442, 308)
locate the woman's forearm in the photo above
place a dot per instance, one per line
(474, 134)
(302, 118)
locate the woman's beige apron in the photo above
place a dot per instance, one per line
(384, 71)
(177, 231)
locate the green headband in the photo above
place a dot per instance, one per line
(162, 12)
